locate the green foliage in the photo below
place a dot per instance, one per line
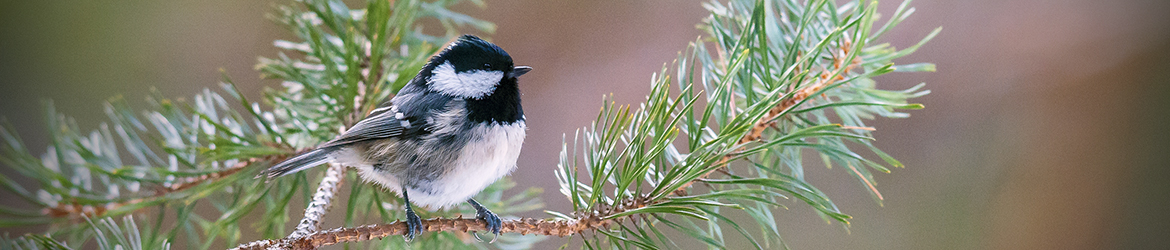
(803, 69)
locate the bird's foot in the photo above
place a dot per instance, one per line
(494, 224)
(413, 225)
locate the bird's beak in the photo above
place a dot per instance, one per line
(519, 71)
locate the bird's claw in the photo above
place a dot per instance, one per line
(494, 224)
(413, 226)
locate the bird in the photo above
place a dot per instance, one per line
(455, 128)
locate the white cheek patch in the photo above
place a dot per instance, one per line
(470, 84)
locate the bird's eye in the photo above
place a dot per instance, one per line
(487, 66)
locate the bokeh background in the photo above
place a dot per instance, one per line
(1046, 128)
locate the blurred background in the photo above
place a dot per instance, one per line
(1046, 128)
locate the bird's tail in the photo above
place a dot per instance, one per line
(300, 162)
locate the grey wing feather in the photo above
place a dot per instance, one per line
(377, 126)
(299, 162)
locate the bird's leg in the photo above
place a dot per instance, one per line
(493, 222)
(413, 223)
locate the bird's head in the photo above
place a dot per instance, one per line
(471, 68)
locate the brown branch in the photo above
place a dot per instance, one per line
(368, 232)
(523, 226)
(188, 182)
(77, 211)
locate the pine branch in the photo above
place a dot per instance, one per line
(775, 114)
(523, 226)
(781, 66)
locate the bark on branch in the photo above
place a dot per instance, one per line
(368, 232)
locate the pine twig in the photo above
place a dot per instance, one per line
(322, 200)
(826, 77)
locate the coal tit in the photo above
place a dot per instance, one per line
(453, 130)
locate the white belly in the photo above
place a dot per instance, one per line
(482, 161)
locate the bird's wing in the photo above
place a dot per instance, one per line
(383, 123)
(401, 117)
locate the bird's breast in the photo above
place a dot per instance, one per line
(487, 156)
